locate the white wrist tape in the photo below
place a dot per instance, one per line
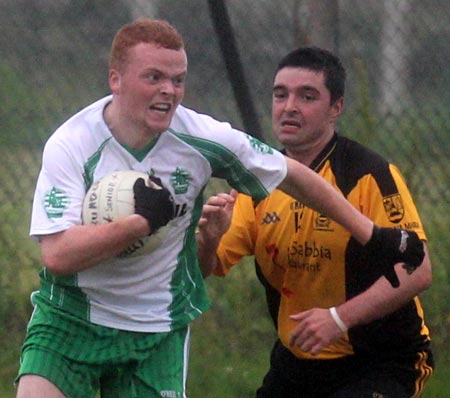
(338, 319)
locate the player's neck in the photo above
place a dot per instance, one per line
(308, 152)
(304, 157)
(124, 131)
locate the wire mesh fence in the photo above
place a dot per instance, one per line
(54, 56)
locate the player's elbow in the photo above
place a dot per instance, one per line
(54, 254)
(425, 272)
(426, 268)
(54, 263)
(426, 280)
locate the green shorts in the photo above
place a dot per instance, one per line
(81, 358)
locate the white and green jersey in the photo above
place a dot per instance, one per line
(164, 289)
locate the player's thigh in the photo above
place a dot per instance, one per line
(53, 350)
(161, 374)
(33, 386)
(44, 370)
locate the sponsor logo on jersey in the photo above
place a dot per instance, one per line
(307, 266)
(55, 202)
(270, 218)
(322, 223)
(309, 249)
(307, 256)
(411, 225)
(259, 146)
(393, 206)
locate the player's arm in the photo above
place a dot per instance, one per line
(317, 328)
(214, 222)
(389, 245)
(315, 192)
(84, 246)
(382, 299)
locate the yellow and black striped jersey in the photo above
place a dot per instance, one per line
(306, 260)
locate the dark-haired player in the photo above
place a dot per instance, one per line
(346, 329)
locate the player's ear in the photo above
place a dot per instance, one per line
(114, 81)
(336, 109)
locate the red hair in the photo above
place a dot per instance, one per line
(158, 32)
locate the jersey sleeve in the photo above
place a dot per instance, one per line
(249, 165)
(59, 191)
(239, 240)
(257, 169)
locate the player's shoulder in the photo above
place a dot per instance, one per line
(79, 127)
(350, 155)
(358, 154)
(352, 161)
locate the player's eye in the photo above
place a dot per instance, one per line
(279, 94)
(178, 80)
(153, 77)
(308, 97)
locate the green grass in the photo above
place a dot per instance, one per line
(439, 384)
(7, 390)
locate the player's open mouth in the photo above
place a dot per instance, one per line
(164, 108)
(291, 124)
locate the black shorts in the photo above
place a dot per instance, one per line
(349, 377)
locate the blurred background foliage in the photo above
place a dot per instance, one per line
(53, 62)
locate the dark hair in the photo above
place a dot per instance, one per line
(159, 32)
(319, 60)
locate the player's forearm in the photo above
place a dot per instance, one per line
(213, 224)
(207, 256)
(84, 246)
(382, 299)
(316, 193)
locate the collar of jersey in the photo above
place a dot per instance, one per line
(322, 157)
(140, 154)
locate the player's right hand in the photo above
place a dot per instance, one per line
(389, 246)
(156, 205)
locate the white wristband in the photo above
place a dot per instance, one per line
(338, 319)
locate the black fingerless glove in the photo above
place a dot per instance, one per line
(155, 204)
(389, 246)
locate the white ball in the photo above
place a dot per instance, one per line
(112, 198)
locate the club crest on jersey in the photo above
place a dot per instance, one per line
(322, 223)
(393, 206)
(180, 180)
(259, 146)
(55, 202)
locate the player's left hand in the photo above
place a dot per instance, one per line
(389, 246)
(216, 216)
(316, 329)
(155, 203)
